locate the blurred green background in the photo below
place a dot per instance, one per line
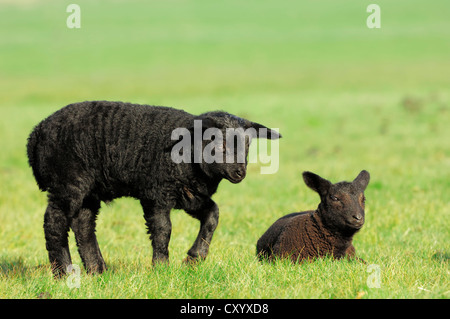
(161, 49)
(345, 98)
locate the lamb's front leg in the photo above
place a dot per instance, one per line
(209, 218)
(159, 227)
(350, 253)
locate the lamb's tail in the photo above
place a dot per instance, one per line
(33, 156)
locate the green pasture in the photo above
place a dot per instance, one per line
(344, 97)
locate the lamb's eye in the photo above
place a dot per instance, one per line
(334, 198)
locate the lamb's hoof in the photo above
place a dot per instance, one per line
(192, 261)
(156, 262)
(362, 261)
(96, 269)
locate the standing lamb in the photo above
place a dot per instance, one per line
(326, 231)
(96, 151)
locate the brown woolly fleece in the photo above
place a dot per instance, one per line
(326, 231)
(304, 236)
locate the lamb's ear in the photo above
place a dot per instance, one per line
(362, 180)
(316, 183)
(262, 131)
(204, 122)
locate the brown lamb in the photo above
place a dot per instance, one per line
(326, 231)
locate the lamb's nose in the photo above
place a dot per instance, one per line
(240, 173)
(357, 217)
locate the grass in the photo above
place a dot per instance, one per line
(345, 98)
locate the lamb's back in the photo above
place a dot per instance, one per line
(111, 142)
(272, 241)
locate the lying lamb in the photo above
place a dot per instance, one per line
(96, 151)
(326, 231)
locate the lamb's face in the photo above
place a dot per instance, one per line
(345, 205)
(342, 204)
(235, 153)
(226, 141)
(227, 157)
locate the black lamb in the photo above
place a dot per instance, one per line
(96, 151)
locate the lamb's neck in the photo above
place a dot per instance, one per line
(192, 173)
(203, 184)
(338, 236)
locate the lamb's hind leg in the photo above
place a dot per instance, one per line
(209, 218)
(83, 225)
(56, 229)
